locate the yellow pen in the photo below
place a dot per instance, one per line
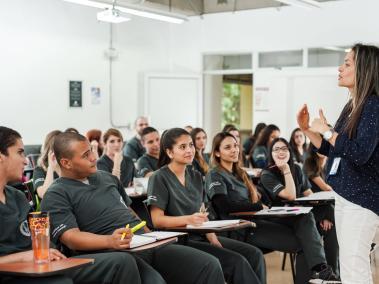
(139, 226)
(124, 234)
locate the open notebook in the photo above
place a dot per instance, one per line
(284, 211)
(215, 224)
(322, 195)
(148, 238)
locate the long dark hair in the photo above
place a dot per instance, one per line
(366, 58)
(312, 162)
(199, 155)
(237, 170)
(168, 140)
(296, 152)
(271, 162)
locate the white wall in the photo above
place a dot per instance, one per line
(338, 23)
(46, 43)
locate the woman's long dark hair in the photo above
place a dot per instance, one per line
(237, 170)
(296, 152)
(263, 137)
(271, 163)
(366, 58)
(199, 155)
(312, 162)
(168, 140)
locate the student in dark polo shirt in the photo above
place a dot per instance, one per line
(15, 241)
(230, 190)
(148, 163)
(175, 195)
(113, 161)
(134, 148)
(89, 210)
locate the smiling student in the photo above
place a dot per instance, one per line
(15, 241)
(230, 190)
(148, 163)
(113, 161)
(89, 210)
(175, 195)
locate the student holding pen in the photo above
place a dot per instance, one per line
(175, 195)
(230, 190)
(89, 210)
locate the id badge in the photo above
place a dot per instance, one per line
(335, 165)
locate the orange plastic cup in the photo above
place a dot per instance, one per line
(39, 226)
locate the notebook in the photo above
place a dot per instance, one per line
(318, 196)
(284, 211)
(148, 238)
(215, 224)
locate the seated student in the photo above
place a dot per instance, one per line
(134, 149)
(259, 153)
(313, 168)
(201, 160)
(284, 180)
(231, 129)
(94, 137)
(299, 146)
(113, 160)
(230, 190)
(89, 210)
(47, 169)
(15, 241)
(148, 163)
(250, 141)
(175, 195)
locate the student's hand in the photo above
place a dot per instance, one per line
(213, 240)
(326, 225)
(303, 118)
(118, 158)
(115, 241)
(53, 164)
(197, 219)
(328, 188)
(56, 255)
(283, 166)
(94, 146)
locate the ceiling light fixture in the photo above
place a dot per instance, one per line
(306, 4)
(111, 16)
(134, 10)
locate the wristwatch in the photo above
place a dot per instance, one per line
(328, 134)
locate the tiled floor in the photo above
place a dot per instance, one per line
(276, 276)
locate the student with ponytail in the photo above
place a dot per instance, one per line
(175, 195)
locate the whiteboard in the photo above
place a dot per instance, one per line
(173, 100)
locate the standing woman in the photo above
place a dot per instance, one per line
(201, 160)
(47, 169)
(175, 195)
(298, 146)
(113, 160)
(352, 148)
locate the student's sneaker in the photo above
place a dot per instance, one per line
(324, 276)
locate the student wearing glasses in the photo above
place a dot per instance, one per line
(113, 161)
(175, 195)
(230, 190)
(134, 148)
(148, 163)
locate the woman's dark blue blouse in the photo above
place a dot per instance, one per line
(357, 177)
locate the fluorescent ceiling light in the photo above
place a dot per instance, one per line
(307, 4)
(111, 16)
(135, 10)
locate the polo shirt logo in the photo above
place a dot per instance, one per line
(122, 201)
(275, 189)
(24, 229)
(213, 184)
(152, 198)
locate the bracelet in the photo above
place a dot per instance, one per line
(287, 173)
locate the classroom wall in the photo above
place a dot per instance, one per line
(46, 43)
(338, 23)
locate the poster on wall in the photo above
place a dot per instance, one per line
(95, 95)
(261, 98)
(75, 93)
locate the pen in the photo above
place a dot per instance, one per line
(291, 210)
(203, 209)
(124, 234)
(138, 226)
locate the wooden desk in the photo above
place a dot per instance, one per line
(235, 227)
(154, 245)
(30, 269)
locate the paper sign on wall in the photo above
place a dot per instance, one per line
(261, 98)
(95, 95)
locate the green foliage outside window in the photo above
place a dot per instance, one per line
(231, 105)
